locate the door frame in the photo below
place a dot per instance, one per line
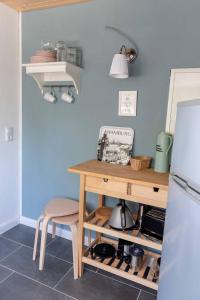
(171, 92)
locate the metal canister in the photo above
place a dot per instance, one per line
(137, 254)
(61, 51)
(74, 56)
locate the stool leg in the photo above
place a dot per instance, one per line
(53, 230)
(43, 242)
(74, 230)
(37, 229)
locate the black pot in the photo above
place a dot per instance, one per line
(103, 250)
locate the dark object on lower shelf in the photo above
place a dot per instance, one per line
(137, 254)
(153, 221)
(102, 250)
(123, 248)
(124, 258)
(147, 275)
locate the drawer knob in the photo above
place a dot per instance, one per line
(105, 179)
(156, 190)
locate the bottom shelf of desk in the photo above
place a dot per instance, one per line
(146, 276)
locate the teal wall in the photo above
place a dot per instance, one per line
(56, 136)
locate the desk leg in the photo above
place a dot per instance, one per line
(82, 206)
(100, 204)
(100, 200)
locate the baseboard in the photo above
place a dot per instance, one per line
(64, 233)
(9, 224)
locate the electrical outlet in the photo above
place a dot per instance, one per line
(127, 103)
(9, 134)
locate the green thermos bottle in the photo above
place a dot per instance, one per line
(163, 147)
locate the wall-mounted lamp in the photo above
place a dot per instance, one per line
(119, 67)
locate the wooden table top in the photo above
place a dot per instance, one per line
(122, 173)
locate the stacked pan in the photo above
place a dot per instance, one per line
(43, 56)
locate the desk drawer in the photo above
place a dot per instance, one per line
(150, 193)
(106, 185)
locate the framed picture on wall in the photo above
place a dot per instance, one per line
(127, 103)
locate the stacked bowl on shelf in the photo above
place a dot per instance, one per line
(43, 56)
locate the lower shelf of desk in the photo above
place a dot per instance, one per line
(146, 275)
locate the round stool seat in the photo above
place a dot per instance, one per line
(60, 207)
(66, 220)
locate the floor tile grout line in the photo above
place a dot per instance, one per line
(119, 281)
(41, 283)
(52, 240)
(62, 277)
(4, 237)
(64, 260)
(133, 286)
(97, 271)
(23, 245)
(93, 271)
(3, 280)
(155, 295)
(71, 297)
(1, 260)
(27, 246)
(138, 297)
(54, 288)
(9, 239)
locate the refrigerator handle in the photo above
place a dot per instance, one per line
(193, 193)
(179, 181)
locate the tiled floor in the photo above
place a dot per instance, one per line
(20, 278)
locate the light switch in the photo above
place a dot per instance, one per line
(9, 134)
(127, 103)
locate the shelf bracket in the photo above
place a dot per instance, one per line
(55, 74)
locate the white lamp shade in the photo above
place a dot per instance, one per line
(119, 67)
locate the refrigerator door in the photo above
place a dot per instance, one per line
(180, 263)
(186, 148)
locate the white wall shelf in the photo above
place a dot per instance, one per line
(55, 73)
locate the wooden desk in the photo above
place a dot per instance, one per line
(146, 187)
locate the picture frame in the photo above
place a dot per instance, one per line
(127, 103)
(115, 144)
(184, 86)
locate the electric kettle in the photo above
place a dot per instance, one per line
(163, 147)
(121, 218)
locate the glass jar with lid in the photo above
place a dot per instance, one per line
(47, 46)
(61, 51)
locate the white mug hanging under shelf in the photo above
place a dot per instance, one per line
(50, 96)
(67, 97)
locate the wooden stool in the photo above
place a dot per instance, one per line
(59, 211)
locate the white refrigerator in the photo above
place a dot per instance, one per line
(180, 263)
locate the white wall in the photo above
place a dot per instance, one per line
(9, 116)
